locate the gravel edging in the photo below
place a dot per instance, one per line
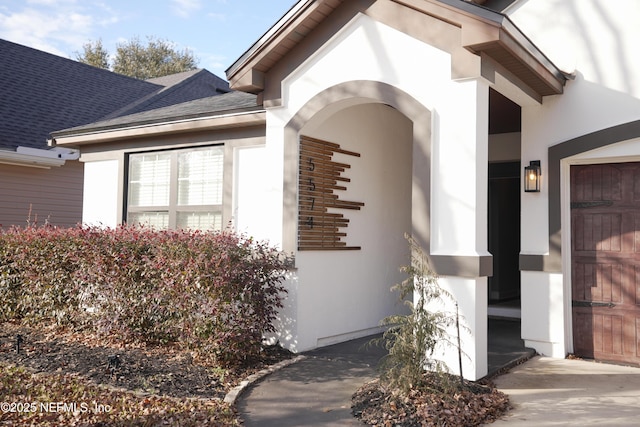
(235, 392)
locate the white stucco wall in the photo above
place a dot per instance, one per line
(334, 302)
(100, 194)
(348, 292)
(598, 41)
(253, 192)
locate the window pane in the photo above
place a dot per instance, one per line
(200, 220)
(157, 220)
(200, 177)
(149, 179)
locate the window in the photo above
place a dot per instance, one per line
(177, 189)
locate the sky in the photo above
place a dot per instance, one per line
(217, 31)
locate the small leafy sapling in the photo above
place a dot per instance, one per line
(413, 339)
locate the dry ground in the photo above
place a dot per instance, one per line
(64, 379)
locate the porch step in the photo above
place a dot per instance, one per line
(501, 311)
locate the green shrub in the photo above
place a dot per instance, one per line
(38, 266)
(412, 339)
(216, 293)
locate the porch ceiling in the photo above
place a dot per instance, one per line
(485, 32)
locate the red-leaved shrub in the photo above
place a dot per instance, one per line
(215, 293)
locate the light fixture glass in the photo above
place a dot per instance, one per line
(532, 177)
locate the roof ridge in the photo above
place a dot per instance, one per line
(186, 74)
(161, 93)
(53, 56)
(188, 110)
(44, 91)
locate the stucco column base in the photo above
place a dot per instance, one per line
(544, 312)
(471, 296)
(549, 349)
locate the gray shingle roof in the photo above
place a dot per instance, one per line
(232, 102)
(497, 5)
(177, 88)
(42, 92)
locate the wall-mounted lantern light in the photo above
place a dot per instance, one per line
(532, 177)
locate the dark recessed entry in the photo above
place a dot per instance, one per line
(504, 114)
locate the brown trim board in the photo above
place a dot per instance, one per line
(602, 138)
(373, 91)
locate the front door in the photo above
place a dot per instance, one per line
(605, 254)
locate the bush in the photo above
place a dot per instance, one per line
(215, 293)
(412, 339)
(44, 259)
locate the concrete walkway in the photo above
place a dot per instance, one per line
(561, 392)
(317, 390)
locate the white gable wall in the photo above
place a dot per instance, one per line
(367, 50)
(597, 39)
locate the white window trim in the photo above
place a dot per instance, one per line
(174, 208)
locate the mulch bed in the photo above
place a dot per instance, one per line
(148, 379)
(152, 370)
(472, 405)
(150, 386)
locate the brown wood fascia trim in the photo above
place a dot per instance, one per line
(164, 128)
(505, 45)
(533, 73)
(247, 73)
(496, 36)
(485, 33)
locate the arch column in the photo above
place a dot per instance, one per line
(449, 191)
(459, 217)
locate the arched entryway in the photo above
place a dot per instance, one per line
(343, 294)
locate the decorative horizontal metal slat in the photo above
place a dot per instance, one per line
(319, 174)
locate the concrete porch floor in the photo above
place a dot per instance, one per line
(317, 390)
(505, 348)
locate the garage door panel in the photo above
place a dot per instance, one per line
(636, 233)
(605, 336)
(598, 282)
(583, 332)
(635, 336)
(612, 334)
(605, 225)
(599, 231)
(602, 183)
(636, 296)
(636, 186)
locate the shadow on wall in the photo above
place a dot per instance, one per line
(286, 322)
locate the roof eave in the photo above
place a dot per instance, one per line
(266, 37)
(244, 74)
(43, 161)
(484, 32)
(137, 130)
(492, 34)
(513, 50)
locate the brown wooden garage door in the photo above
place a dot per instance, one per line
(605, 253)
